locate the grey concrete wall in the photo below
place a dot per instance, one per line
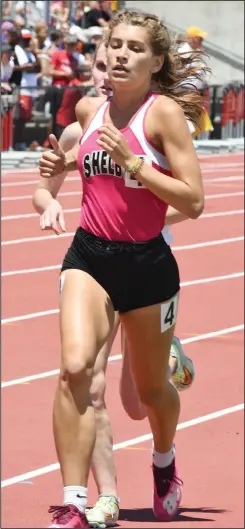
(224, 22)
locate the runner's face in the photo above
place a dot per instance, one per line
(129, 57)
(99, 72)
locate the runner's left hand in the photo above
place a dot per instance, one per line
(114, 143)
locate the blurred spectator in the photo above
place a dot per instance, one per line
(20, 14)
(76, 17)
(6, 8)
(13, 37)
(64, 27)
(4, 30)
(7, 66)
(59, 11)
(66, 112)
(96, 14)
(66, 63)
(28, 64)
(41, 40)
(19, 22)
(95, 34)
(40, 45)
(84, 46)
(24, 75)
(195, 36)
(56, 39)
(193, 42)
(29, 13)
(180, 39)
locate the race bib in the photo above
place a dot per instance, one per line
(169, 311)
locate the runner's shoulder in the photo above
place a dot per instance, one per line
(86, 107)
(167, 107)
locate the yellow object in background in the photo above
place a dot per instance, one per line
(114, 5)
(205, 124)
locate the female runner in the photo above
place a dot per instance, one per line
(106, 510)
(120, 261)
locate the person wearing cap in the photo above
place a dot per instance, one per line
(195, 37)
(193, 41)
(5, 26)
(95, 34)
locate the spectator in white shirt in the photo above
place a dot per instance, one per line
(7, 66)
(24, 76)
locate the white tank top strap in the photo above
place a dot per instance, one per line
(137, 126)
(96, 122)
(140, 115)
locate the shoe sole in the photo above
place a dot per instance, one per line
(187, 364)
(97, 525)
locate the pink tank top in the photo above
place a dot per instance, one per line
(114, 206)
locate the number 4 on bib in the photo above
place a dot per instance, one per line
(169, 311)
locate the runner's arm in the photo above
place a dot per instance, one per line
(70, 136)
(46, 191)
(184, 191)
(48, 188)
(174, 217)
(85, 109)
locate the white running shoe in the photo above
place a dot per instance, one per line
(184, 374)
(105, 513)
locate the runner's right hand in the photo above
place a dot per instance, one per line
(53, 218)
(53, 162)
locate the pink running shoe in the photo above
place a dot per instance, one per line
(68, 516)
(166, 506)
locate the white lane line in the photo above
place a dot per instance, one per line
(222, 214)
(32, 215)
(50, 312)
(50, 268)
(71, 234)
(224, 179)
(218, 166)
(30, 270)
(225, 195)
(78, 178)
(30, 182)
(198, 338)
(207, 243)
(202, 157)
(124, 444)
(77, 210)
(37, 239)
(76, 193)
(30, 316)
(29, 197)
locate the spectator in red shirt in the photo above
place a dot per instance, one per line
(64, 63)
(66, 113)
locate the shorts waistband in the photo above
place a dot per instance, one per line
(107, 244)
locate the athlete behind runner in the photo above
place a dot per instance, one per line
(117, 261)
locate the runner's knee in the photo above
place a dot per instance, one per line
(151, 394)
(78, 362)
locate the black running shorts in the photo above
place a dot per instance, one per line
(133, 274)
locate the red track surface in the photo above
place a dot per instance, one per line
(210, 454)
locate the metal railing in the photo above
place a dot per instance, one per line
(224, 104)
